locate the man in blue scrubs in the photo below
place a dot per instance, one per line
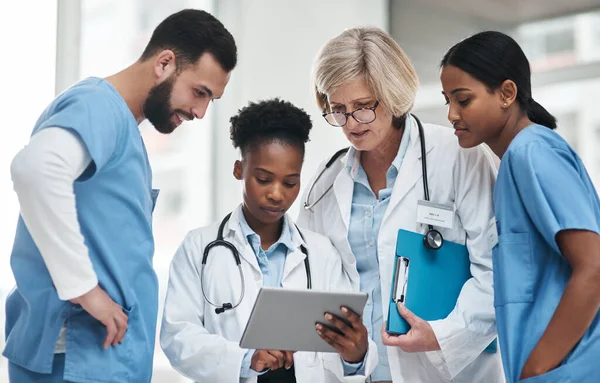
(85, 305)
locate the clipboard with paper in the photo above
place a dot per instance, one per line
(428, 282)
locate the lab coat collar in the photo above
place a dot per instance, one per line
(411, 170)
(297, 239)
(294, 257)
(408, 174)
(352, 162)
(233, 232)
(233, 228)
(415, 142)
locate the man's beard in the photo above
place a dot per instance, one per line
(157, 107)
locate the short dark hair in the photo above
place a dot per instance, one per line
(189, 34)
(268, 121)
(492, 58)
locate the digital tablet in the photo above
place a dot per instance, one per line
(285, 319)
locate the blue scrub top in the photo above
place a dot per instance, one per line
(542, 189)
(114, 202)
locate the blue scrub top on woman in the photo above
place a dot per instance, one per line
(542, 189)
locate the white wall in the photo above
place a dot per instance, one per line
(277, 41)
(28, 40)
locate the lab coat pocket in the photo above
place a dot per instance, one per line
(513, 269)
(561, 374)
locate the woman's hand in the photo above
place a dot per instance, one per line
(271, 359)
(351, 340)
(420, 337)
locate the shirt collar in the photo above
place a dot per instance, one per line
(352, 163)
(285, 238)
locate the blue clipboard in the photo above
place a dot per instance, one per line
(428, 282)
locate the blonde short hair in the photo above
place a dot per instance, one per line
(373, 54)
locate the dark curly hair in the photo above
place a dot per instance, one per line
(268, 121)
(189, 34)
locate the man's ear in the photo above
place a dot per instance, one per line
(164, 65)
(238, 170)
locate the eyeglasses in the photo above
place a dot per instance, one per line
(362, 116)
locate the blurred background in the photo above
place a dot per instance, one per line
(50, 44)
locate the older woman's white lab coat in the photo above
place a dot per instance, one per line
(457, 177)
(203, 345)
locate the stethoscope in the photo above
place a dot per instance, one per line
(433, 239)
(236, 255)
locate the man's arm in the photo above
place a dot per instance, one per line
(43, 174)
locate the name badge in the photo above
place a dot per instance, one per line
(430, 213)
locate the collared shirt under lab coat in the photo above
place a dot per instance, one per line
(366, 216)
(203, 345)
(457, 177)
(272, 263)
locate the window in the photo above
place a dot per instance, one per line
(549, 44)
(560, 42)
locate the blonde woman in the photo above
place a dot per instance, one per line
(365, 85)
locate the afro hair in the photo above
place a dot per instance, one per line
(268, 121)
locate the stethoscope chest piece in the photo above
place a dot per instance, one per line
(433, 240)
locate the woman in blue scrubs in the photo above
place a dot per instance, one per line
(547, 262)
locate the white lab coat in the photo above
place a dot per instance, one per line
(203, 345)
(457, 177)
